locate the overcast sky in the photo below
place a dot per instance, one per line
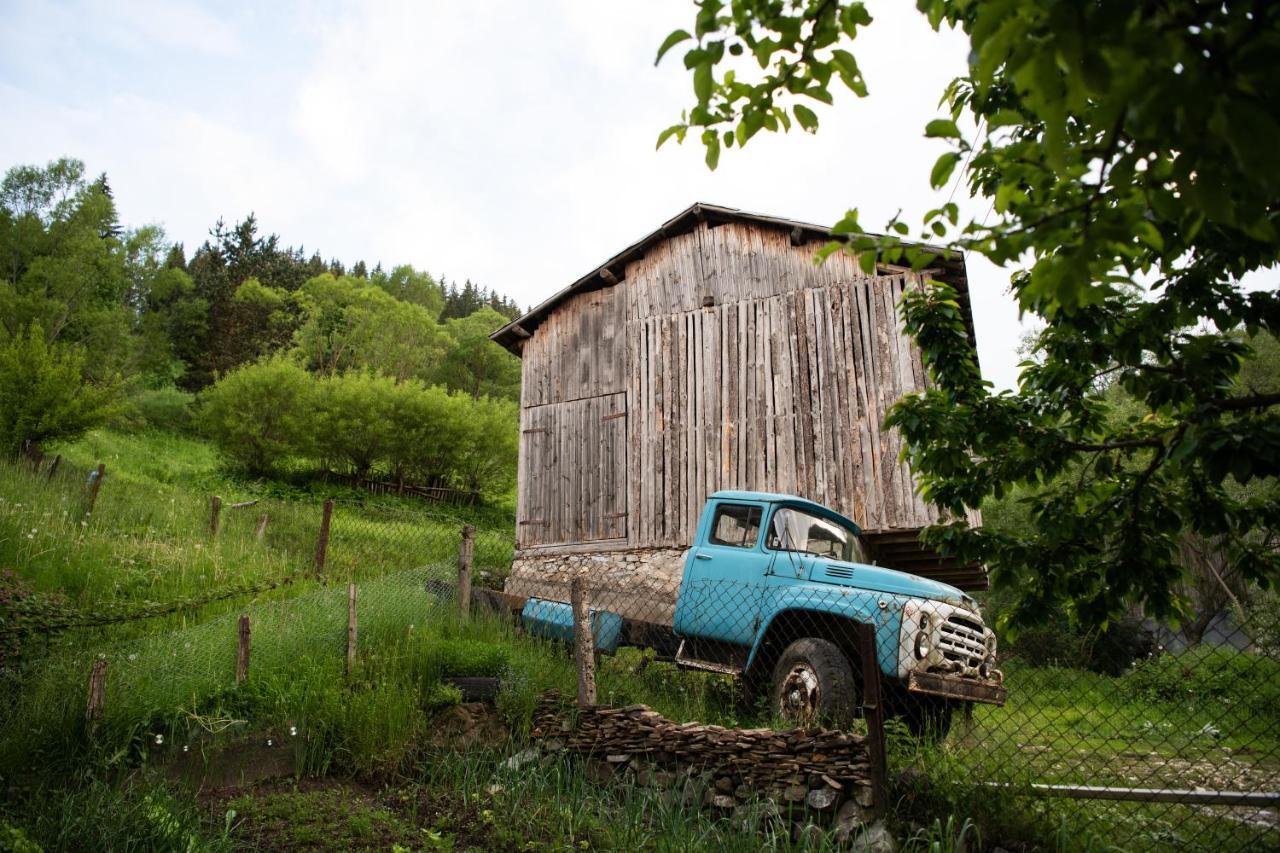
(511, 143)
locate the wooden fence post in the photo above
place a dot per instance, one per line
(95, 485)
(215, 516)
(322, 546)
(242, 650)
(53, 467)
(873, 711)
(97, 701)
(351, 627)
(262, 528)
(466, 556)
(583, 642)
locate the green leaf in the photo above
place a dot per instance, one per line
(671, 41)
(711, 140)
(942, 169)
(806, 117)
(703, 82)
(942, 128)
(675, 130)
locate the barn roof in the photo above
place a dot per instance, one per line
(950, 266)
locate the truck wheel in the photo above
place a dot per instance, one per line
(812, 681)
(928, 718)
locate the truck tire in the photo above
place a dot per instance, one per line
(927, 718)
(813, 681)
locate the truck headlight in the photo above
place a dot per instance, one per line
(923, 645)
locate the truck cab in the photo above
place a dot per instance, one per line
(771, 587)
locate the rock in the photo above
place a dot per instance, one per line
(724, 785)
(720, 801)
(822, 799)
(600, 772)
(875, 839)
(795, 793)
(808, 834)
(865, 796)
(493, 790)
(851, 818)
(742, 792)
(520, 759)
(618, 758)
(553, 744)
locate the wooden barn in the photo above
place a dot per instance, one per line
(714, 354)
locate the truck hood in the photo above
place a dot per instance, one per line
(880, 579)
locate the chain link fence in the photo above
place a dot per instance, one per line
(1131, 740)
(1125, 740)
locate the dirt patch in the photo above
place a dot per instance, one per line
(471, 724)
(345, 814)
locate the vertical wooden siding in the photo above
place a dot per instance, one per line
(573, 471)
(781, 384)
(786, 394)
(578, 352)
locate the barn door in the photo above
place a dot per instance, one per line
(574, 472)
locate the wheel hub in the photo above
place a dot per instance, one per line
(800, 695)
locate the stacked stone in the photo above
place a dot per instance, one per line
(821, 771)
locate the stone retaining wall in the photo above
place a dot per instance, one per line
(807, 777)
(638, 583)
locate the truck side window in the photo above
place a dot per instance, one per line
(736, 526)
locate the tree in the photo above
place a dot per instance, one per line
(1124, 148)
(352, 324)
(475, 364)
(61, 262)
(44, 395)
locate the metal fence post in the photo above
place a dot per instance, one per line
(583, 644)
(873, 712)
(97, 701)
(466, 556)
(215, 516)
(242, 650)
(94, 485)
(322, 545)
(351, 627)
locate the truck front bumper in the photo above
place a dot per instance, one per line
(957, 687)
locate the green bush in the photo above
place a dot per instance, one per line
(1203, 675)
(462, 657)
(14, 840)
(44, 395)
(165, 408)
(258, 415)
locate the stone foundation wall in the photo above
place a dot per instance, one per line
(638, 583)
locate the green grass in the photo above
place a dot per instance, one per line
(1205, 719)
(148, 538)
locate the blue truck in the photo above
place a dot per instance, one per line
(772, 588)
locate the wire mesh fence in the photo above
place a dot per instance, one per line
(1134, 740)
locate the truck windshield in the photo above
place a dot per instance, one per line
(796, 530)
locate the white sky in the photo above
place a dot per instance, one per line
(511, 143)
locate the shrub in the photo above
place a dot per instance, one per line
(257, 415)
(44, 394)
(1208, 675)
(163, 408)
(462, 658)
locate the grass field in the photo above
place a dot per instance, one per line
(360, 746)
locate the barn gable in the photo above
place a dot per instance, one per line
(714, 354)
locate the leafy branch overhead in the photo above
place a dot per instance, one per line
(1121, 152)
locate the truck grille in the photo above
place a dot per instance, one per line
(963, 641)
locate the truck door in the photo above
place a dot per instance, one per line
(724, 584)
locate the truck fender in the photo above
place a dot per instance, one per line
(831, 622)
